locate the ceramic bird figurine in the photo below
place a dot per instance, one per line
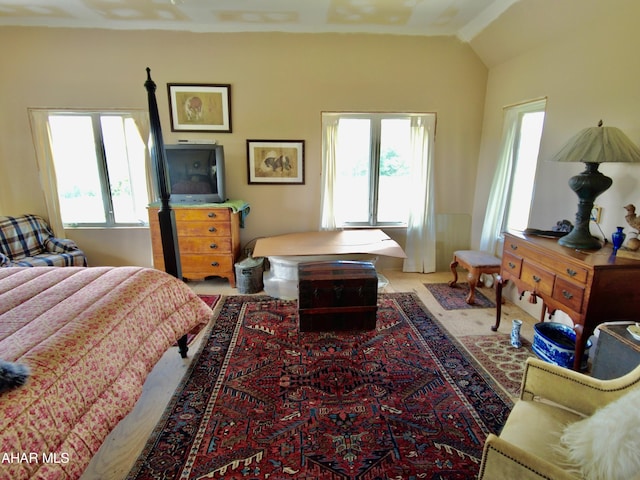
(634, 222)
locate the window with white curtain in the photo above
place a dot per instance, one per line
(100, 169)
(373, 165)
(512, 190)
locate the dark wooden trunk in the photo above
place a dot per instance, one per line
(337, 295)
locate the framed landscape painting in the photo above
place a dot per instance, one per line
(200, 107)
(275, 161)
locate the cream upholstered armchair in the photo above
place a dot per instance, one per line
(567, 425)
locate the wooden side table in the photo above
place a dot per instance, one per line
(617, 352)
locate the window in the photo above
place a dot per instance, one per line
(512, 190)
(525, 162)
(99, 160)
(373, 166)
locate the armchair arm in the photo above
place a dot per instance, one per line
(571, 389)
(59, 245)
(503, 460)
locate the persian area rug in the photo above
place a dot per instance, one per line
(262, 400)
(453, 298)
(501, 360)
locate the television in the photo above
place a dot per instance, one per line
(196, 173)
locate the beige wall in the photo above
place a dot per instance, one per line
(280, 85)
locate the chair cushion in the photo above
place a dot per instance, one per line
(536, 427)
(23, 236)
(606, 445)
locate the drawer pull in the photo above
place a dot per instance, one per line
(215, 264)
(211, 215)
(512, 265)
(513, 246)
(572, 273)
(567, 295)
(212, 229)
(213, 245)
(536, 278)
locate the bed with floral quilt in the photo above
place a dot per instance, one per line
(88, 337)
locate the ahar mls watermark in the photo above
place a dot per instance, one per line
(8, 458)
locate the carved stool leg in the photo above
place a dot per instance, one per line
(454, 266)
(472, 277)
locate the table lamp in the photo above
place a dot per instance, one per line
(592, 146)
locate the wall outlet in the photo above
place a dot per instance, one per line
(596, 212)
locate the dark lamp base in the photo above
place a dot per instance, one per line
(587, 185)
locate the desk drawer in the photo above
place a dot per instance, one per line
(538, 278)
(511, 264)
(569, 294)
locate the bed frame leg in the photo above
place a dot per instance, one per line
(182, 346)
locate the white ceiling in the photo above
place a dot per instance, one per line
(463, 18)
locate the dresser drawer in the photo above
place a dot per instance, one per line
(213, 245)
(202, 214)
(575, 273)
(538, 278)
(511, 264)
(569, 294)
(204, 229)
(200, 266)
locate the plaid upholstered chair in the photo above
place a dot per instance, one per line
(27, 241)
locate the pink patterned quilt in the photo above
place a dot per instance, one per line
(90, 336)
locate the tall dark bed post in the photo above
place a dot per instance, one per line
(166, 217)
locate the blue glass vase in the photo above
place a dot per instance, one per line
(617, 238)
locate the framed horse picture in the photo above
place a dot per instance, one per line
(200, 107)
(275, 161)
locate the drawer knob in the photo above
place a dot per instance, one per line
(572, 273)
(211, 215)
(215, 264)
(567, 295)
(512, 265)
(213, 245)
(536, 278)
(513, 246)
(212, 229)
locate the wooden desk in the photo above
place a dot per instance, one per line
(590, 286)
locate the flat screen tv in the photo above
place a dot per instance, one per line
(196, 173)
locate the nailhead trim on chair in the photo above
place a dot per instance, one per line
(515, 461)
(556, 374)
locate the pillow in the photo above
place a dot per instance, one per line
(606, 446)
(12, 375)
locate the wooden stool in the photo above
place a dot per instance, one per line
(476, 263)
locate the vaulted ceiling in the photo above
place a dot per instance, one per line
(464, 18)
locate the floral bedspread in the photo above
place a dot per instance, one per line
(89, 336)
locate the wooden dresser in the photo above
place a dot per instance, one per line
(208, 239)
(591, 287)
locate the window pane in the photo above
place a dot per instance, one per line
(124, 151)
(395, 158)
(353, 170)
(524, 172)
(78, 180)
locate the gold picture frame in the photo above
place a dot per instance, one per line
(200, 107)
(275, 162)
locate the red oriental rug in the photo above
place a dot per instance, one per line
(263, 401)
(454, 298)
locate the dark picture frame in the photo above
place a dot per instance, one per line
(275, 162)
(200, 107)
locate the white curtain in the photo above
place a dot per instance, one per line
(497, 204)
(329, 141)
(41, 134)
(141, 119)
(421, 232)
